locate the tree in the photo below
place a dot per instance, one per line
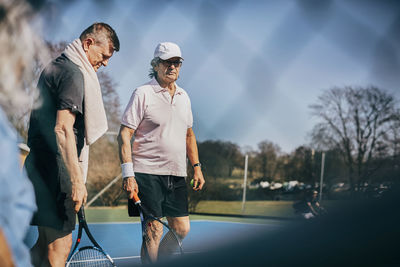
(359, 122)
(219, 158)
(299, 165)
(111, 101)
(231, 152)
(104, 166)
(268, 158)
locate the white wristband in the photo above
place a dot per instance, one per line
(127, 170)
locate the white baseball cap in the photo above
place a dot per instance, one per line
(167, 50)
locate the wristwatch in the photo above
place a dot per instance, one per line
(197, 165)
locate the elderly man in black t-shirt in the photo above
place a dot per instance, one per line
(70, 117)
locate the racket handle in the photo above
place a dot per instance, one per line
(81, 213)
(136, 198)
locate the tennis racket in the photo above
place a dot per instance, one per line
(170, 245)
(88, 256)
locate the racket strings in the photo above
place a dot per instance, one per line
(170, 245)
(90, 257)
(158, 245)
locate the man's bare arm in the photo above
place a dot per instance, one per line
(124, 143)
(125, 155)
(67, 146)
(6, 258)
(193, 155)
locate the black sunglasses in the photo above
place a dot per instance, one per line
(176, 63)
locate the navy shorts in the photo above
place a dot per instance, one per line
(162, 195)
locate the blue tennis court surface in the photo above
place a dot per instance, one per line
(123, 240)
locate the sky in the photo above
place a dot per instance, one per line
(251, 68)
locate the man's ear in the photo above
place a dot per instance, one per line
(87, 43)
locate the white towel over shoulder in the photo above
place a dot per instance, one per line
(94, 113)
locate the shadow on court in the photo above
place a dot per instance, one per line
(123, 240)
(364, 234)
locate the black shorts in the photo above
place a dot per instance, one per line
(162, 195)
(51, 182)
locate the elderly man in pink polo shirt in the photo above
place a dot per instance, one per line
(159, 115)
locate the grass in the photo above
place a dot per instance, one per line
(109, 214)
(278, 209)
(265, 208)
(120, 215)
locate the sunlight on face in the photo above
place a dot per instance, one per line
(168, 70)
(99, 53)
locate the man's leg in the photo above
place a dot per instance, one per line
(52, 247)
(154, 234)
(181, 226)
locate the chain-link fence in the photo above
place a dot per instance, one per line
(252, 69)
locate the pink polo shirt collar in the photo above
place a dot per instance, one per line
(157, 88)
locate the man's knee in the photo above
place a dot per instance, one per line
(183, 230)
(181, 226)
(58, 242)
(61, 245)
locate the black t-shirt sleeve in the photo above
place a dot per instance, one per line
(70, 91)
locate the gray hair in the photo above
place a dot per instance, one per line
(154, 62)
(23, 53)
